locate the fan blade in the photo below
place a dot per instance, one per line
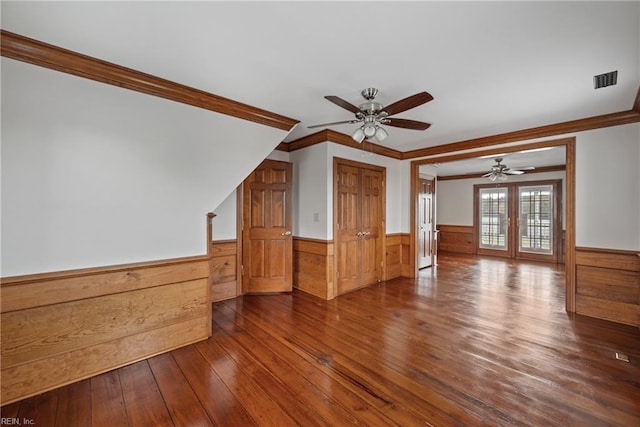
(333, 123)
(407, 124)
(487, 174)
(408, 103)
(342, 103)
(510, 172)
(525, 168)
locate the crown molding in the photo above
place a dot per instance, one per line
(45, 55)
(595, 122)
(328, 135)
(580, 125)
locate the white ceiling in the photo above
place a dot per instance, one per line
(492, 67)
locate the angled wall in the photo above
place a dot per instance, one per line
(95, 175)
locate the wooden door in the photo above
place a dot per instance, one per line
(359, 224)
(347, 226)
(371, 217)
(425, 223)
(267, 249)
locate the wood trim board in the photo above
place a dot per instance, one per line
(45, 55)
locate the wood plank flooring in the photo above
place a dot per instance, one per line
(481, 342)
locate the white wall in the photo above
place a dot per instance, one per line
(454, 198)
(608, 188)
(312, 192)
(224, 224)
(95, 175)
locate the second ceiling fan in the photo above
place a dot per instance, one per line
(499, 171)
(372, 114)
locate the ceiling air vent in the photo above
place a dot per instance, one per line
(606, 79)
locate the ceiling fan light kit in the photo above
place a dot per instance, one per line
(373, 114)
(497, 176)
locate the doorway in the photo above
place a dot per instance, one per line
(569, 145)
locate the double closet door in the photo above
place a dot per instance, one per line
(359, 200)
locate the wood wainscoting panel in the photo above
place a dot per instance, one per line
(59, 328)
(393, 256)
(406, 264)
(224, 259)
(313, 267)
(608, 285)
(456, 238)
(397, 256)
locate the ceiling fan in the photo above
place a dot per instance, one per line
(499, 171)
(372, 114)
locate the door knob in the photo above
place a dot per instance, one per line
(286, 233)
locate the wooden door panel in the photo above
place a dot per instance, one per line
(257, 254)
(359, 216)
(348, 266)
(371, 219)
(278, 258)
(369, 260)
(267, 241)
(257, 208)
(278, 208)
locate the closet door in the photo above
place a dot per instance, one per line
(371, 190)
(359, 224)
(347, 227)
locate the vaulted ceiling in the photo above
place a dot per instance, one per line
(492, 67)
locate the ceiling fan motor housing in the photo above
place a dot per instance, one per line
(371, 107)
(369, 93)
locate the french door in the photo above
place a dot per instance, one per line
(519, 220)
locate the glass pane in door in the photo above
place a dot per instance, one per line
(535, 213)
(494, 219)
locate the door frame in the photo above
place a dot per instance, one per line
(383, 216)
(569, 206)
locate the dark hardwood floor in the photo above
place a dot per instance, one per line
(481, 342)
